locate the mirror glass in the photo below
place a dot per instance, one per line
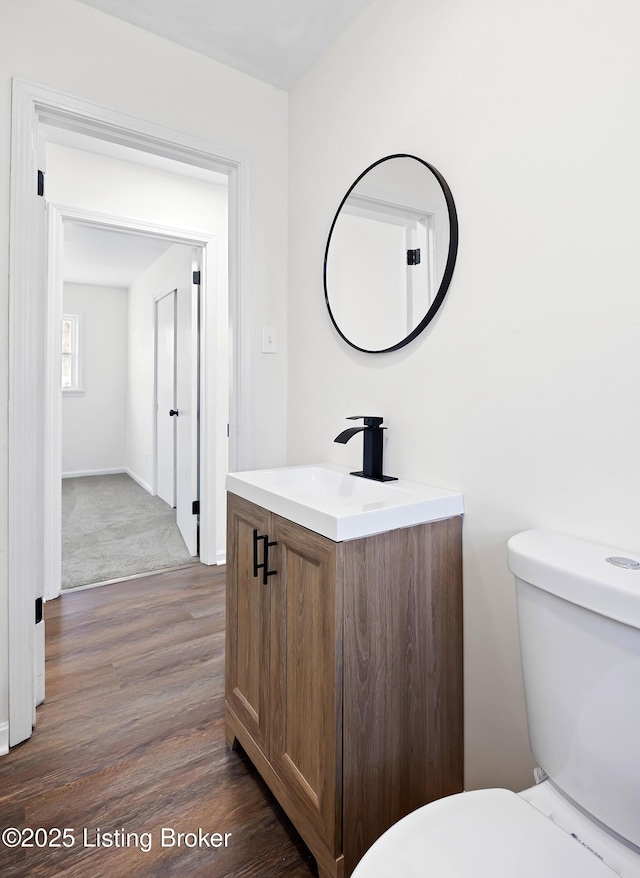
(390, 254)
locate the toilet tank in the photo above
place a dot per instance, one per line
(579, 623)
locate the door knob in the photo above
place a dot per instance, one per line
(173, 413)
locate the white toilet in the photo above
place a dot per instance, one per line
(579, 621)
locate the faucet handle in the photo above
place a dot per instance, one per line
(368, 420)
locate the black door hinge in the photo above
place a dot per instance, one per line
(413, 257)
(195, 507)
(196, 278)
(41, 183)
(38, 610)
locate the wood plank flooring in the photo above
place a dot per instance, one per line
(131, 741)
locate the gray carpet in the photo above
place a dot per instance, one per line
(112, 528)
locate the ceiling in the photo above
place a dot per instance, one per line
(275, 41)
(106, 257)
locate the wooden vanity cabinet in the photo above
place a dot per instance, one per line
(344, 673)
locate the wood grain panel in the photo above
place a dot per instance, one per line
(248, 622)
(328, 864)
(402, 708)
(306, 671)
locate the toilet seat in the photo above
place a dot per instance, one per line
(485, 834)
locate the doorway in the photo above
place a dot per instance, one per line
(32, 451)
(119, 437)
(114, 524)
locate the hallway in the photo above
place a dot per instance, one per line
(112, 528)
(129, 746)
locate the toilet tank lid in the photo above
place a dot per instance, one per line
(578, 571)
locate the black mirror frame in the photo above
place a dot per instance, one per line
(449, 266)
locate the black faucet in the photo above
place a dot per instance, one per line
(372, 463)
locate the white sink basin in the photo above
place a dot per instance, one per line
(328, 500)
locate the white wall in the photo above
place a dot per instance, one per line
(116, 187)
(94, 424)
(121, 189)
(523, 392)
(65, 45)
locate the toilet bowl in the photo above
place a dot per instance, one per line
(579, 623)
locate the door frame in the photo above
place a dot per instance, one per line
(211, 423)
(33, 105)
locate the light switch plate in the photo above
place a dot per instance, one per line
(269, 340)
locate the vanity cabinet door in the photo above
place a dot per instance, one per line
(248, 622)
(306, 671)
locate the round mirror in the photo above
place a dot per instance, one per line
(390, 254)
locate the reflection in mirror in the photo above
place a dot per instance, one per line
(390, 254)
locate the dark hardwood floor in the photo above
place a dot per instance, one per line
(130, 740)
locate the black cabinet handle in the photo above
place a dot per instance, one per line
(264, 566)
(266, 573)
(255, 552)
(173, 413)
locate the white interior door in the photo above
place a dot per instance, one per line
(187, 370)
(166, 398)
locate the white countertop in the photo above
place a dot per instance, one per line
(327, 499)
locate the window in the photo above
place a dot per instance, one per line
(71, 353)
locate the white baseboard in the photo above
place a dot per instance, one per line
(137, 479)
(4, 738)
(109, 472)
(93, 472)
(221, 557)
